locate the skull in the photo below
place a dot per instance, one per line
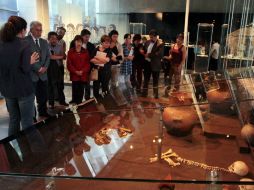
(247, 133)
(239, 168)
(246, 187)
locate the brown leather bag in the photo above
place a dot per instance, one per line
(94, 75)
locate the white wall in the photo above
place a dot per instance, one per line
(32, 10)
(27, 9)
(120, 20)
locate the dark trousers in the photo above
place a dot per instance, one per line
(175, 70)
(103, 82)
(166, 70)
(136, 77)
(213, 65)
(41, 93)
(78, 88)
(61, 84)
(55, 83)
(21, 111)
(147, 75)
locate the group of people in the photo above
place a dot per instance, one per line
(34, 67)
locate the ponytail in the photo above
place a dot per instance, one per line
(8, 32)
(10, 29)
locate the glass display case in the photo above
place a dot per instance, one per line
(138, 28)
(188, 140)
(203, 47)
(240, 47)
(238, 40)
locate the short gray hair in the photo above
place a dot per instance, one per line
(35, 23)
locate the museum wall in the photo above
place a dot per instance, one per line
(29, 9)
(98, 15)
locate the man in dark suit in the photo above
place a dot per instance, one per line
(39, 69)
(154, 54)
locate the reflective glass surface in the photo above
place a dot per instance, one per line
(119, 136)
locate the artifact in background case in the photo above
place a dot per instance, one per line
(247, 133)
(203, 43)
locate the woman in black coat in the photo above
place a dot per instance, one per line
(15, 80)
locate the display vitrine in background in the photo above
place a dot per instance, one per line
(138, 28)
(203, 47)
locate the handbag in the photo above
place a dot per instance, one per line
(94, 74)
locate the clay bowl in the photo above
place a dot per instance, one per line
(180, 121)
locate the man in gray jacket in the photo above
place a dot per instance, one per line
(39, 69)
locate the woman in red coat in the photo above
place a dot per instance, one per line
(78, 64)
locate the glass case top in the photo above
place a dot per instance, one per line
(187, 136)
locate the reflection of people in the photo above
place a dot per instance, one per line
(79, 66)
(15, 80)
(214, 56)
(111, 27)
(39, 71)
(177, 56)
(154, 54)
